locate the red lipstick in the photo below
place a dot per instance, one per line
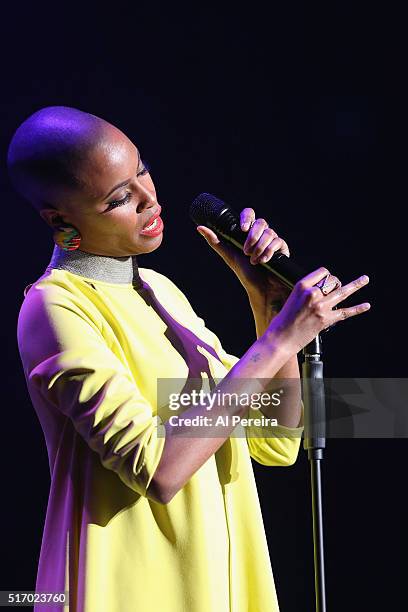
(154, 226)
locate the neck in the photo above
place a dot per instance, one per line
(98, 267)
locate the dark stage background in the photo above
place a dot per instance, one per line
(297, 110)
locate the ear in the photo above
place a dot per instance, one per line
(52, 217)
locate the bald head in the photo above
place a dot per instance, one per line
(49, 149)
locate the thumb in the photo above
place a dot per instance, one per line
(208, 234)
(221, 248)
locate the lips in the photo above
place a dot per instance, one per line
(153, 217)
(154, 226)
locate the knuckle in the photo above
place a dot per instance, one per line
(319, 308)
(343, 292)
(302, 285)
(319, 313)
(261, 221)
(312, 295)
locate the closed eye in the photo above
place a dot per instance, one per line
(115, 203)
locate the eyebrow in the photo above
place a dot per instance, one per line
(123, 183)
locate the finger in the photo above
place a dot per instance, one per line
(313, 277)
(266, 238)
(208, 234)
(262, 245)
(328, 284)
(222, 248)
(340, 294)
(341, 314)
(255, 233)
(247, 216)
(283, 248)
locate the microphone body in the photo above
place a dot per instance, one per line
(224, 221)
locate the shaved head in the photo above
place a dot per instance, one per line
(48, 150)
(80, 171)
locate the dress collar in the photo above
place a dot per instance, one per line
(121, 270)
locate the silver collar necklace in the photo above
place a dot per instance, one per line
(98, 267)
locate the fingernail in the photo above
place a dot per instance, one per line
(263, 258)
(245, 226)
(364, 279)
(366, 306)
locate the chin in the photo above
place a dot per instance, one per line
(150, 245)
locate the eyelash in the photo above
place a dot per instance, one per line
(125, 200)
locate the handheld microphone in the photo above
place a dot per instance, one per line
(212, 212)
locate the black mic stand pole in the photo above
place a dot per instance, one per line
(314, 443)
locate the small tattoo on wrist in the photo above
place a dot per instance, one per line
(256, 357)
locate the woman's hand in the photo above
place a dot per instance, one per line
(308, 311)
(263, 288)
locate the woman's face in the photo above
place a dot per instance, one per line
(115, 204)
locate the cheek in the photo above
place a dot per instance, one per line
(126, 218)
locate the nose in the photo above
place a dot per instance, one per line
(147, 199)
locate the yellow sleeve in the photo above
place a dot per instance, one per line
(273, 445)
(68, 364)
(268, 445)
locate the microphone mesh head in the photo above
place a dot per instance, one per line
(206, 207)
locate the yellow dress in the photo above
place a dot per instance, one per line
(92, 352)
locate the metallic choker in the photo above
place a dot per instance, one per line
(98, 267)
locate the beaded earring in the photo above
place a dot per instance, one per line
(67, 238)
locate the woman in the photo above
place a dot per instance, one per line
(139, 516)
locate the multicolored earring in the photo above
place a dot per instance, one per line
(67, 238)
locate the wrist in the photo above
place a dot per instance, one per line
(278, 336)
(276, 339)
(264, 309)
(265, 304)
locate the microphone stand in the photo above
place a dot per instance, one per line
(314, 443)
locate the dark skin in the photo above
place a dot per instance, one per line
(107, 230)
(116, 231)
(113, 159)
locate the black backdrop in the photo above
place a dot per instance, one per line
(294, 109)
